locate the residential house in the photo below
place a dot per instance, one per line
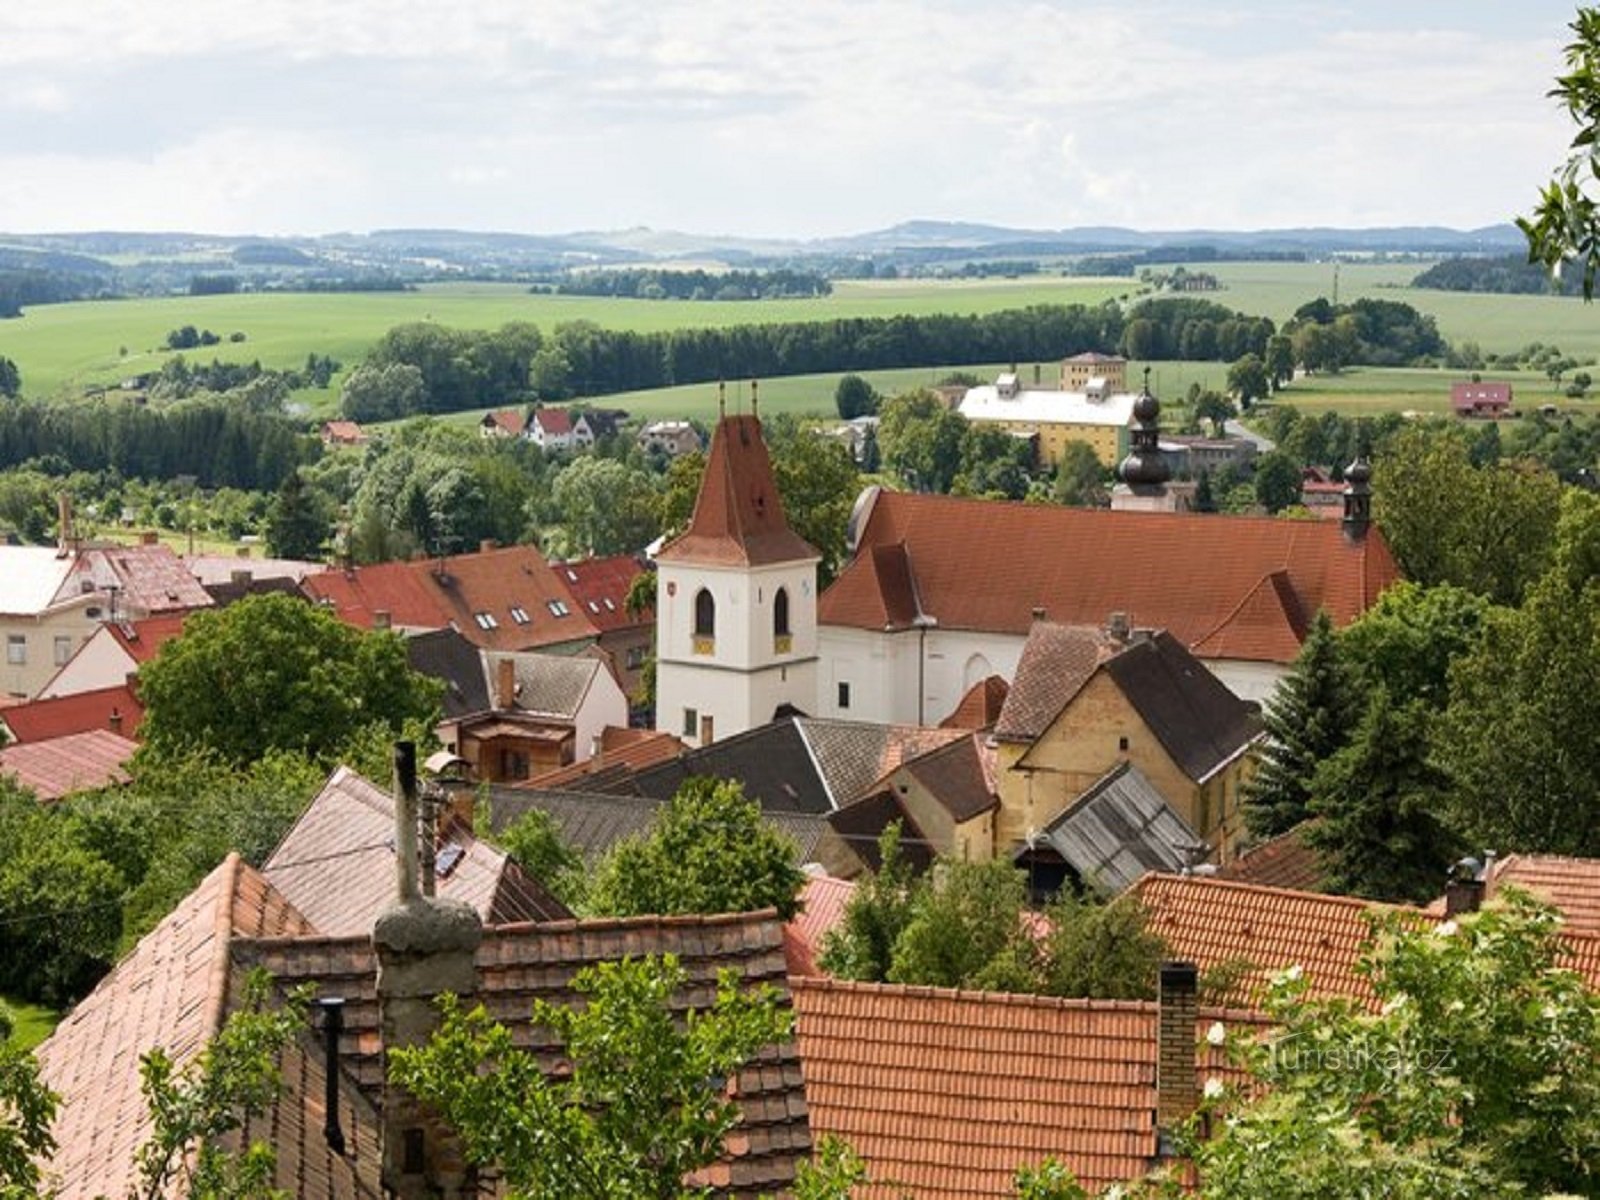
(552, 429)
(504, 423)
(52, 600)
(213, 570)
(512, 715)
(343, 433)
(116, 709)
(591, 424)
(1570, 884)
(112, 653)
(1097, 415)
(1085, 700)
(940, 592)
(945, 1094)
(671, 438)
(1193, 454)
(949, 796)
(1286, 861)
(74, 762)
(599, 589)
(500, 598)
(1079, 370)
(351, 822)
(178, 985)
(619, 754)
(1477, 399)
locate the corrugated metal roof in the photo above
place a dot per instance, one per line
(1118, 830)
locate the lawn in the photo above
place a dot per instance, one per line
(34, 1023)
(63, 348)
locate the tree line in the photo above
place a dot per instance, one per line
(645, 283)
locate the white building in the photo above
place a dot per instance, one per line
(736, 600)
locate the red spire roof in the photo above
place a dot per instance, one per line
(738, 516)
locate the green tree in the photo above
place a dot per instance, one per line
(382, 393)
(993, 463)
(965, 930)
(196, 1108)
(921, 440)
(1566, 223)
(862, 945)
(642, 1106)
(871, 456)
(295, 527)
(708, 851)
(606, 506)
(1406, 642)
(855, 397)
(1309, 719)
(818, 483)
(1380, 804)
(27, 1111)
(1474, 1076)
(1520, 737)
(535, 842)
(1080, 477)
(10, 378)
(1205, 496)
(271, 672)
(1100, 950)
(1489, 530)
(1277, 483)
(1214, 407)
(1247, 379)
(1279, 362)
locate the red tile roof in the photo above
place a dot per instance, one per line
(347, 432)
(985, 565)
(395, 588)
(599, 589)
(173, 991)
(1056, 662)
(41, 720)
(822, 903)
(336, 865)
(517, 963)
(555, 421)
(508, 419)
(77, 762)
(143, 639)
(1571, 884)
(980, 707)
(947, 1093)
(738, 515)
(152, 579)
(621, 751)
(1284, 862)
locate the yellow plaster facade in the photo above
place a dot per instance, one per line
(1098, 729)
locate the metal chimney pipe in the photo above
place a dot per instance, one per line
(332, 1026)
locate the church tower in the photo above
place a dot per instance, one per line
(736, 599)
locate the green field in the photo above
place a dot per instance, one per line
(33, 1022)
(63, 348)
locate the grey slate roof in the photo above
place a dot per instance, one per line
(772, 761)
(548, 685)
(590, 824)
(1192, 713)
(1117, 830)
(862, 823)
(446, 655)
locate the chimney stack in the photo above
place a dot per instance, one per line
(505, 683)
(66, 535)
(486, 545)
(149, 538)
(1467, 885)
(1118, 626)
(382, 619)
(425, 947)
(241, 576)
(1178, 1008)
(114, 721)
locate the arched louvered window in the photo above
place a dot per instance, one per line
(780, 613)
(705, 614)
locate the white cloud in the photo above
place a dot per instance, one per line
(762, 116)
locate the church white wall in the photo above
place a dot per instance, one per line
(1256, 681)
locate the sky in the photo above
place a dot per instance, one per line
(772, 118)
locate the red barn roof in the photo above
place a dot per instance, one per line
(738, 515)
(1226, 586)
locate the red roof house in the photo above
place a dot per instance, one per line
(114, 708)
(1480, 399)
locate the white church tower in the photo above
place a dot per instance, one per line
(736, 600)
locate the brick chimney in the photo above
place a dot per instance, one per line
(1178, 1008)
(382, 619)
(505, 683)
(1467, 885)
(241, 576)
(425, 947)
(487, 544)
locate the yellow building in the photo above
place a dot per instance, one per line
(1099, 417)
(1080, 370)
(1086, 700)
